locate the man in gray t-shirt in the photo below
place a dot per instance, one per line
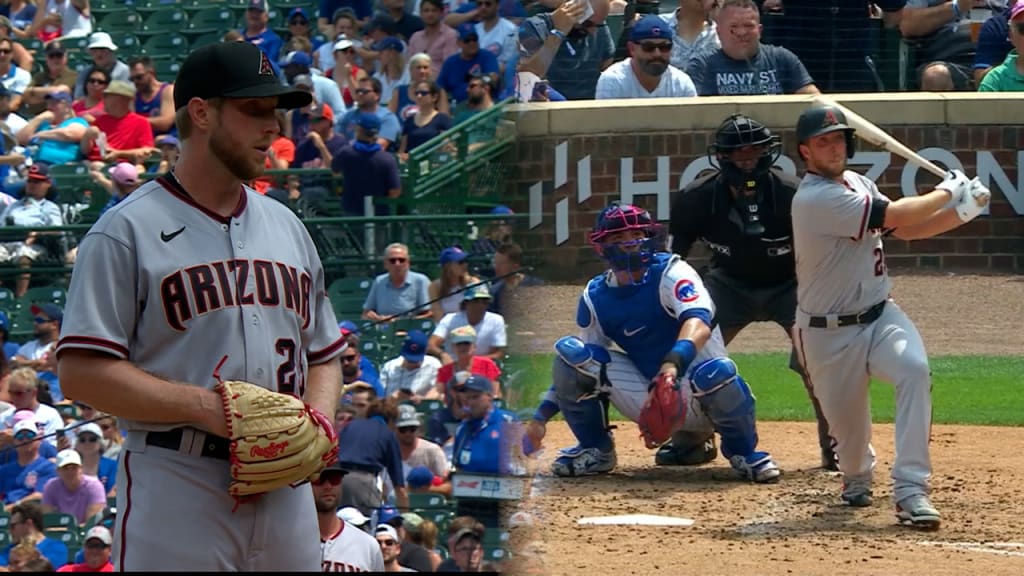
(941, 37)
(399, 290)
(744, 66)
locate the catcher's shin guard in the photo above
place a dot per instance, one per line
(728, 403)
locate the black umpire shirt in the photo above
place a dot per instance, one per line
(705, 211)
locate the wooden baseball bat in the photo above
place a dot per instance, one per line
(869, 132)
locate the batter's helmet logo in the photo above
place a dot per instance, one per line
(829, 119)
(265, 68)
(685, 291)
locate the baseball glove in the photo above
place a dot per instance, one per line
(664, 411)
(277, 440)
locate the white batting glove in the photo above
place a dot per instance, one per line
(974, 201)
(956, 183)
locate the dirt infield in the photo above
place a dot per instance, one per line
(796, 526)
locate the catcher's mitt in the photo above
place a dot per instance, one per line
(276, 439)
(664, 411)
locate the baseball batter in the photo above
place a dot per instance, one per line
(741, 212)
(192, 269)
(848, 328)
(653, 306)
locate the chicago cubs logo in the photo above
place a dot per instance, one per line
(685, 291)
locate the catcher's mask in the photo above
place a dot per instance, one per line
(748, 177)
(626, 255)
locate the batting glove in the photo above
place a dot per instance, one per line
(974, 201)
(956, 183)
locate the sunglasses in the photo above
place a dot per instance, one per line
(362, 91)
(348, 358)
(24, 436)
(397, 260)
(387, 542)
(1020, 27)
(408, 429)
(470, 39)
(662, 47)
(41, 320)
(422, 92)
(5, 51)
(95, 545)
(137, 77)
(332, 479)
(88, 439)
(299, 22)
(54, 55)
(100, 81)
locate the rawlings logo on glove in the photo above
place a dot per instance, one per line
(664, 412)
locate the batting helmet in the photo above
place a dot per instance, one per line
(820, 120)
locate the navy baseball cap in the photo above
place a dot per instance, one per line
(298, 11)
(414, 348)
(651, 27)
(58, 97)
(38, 172)
(233, 70)
(389, 43)
(388, 513)
(260, 5)
(476, 383)
(51, 311)
(501, 210)
(467, 30)
(452, 254)
(367, 121)
(296, 58)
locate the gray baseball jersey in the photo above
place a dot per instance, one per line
(840, 264)
(174, 288)
(840, 268)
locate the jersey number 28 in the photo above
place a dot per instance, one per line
(290, 379)
(879, 262)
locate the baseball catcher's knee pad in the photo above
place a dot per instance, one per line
(585, 413)
(728, 403)
(580, 370)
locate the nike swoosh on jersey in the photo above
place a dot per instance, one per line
(168, 237)
(629, 333)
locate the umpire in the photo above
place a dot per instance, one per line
(742, 213)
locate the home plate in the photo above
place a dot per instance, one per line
(637, 520)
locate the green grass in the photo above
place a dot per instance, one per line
(981, 390)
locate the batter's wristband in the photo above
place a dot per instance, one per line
(681, 355)
(546, 411)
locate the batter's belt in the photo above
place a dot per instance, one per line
(866, 317)
(213, 446)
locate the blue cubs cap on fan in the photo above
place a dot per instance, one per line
(415, 346)
(367, 121)
(349, 326)
(233, 70)
(387, 514)
(477, 383)
(452, 254)
(651, 27)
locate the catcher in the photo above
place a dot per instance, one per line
(672, 375)
(193, 277)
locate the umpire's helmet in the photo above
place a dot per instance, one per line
(739, 131)
(819, 120)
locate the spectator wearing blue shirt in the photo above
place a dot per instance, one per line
(20, 19)
(484, 439)
(27, 522)
(368, 171)
(10, 348)
(470, 61)
(358, 368)
(368, 448)
(325, 90)
(388, 130)
(258, 33)
(347, 327)
(298, 27)
(363, 10)
(993, 43)
(23, 479)
(398, 290)
(57, 132)
(745, 66)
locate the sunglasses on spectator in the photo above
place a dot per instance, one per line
(24, 436)
(397, 260)
(469, 39)
(407, 429)
(41, 320)
(423, 92)
(664, 47)
(97, 81)
(55, 55)
(5, 51)
(94, 545)
(387, 542)
(137, 77)
(88, 438)
(332, 479)
(299, 22)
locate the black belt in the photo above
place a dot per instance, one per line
(866, 317)
(360, 468)
(213, 446)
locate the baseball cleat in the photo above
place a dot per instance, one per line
(857, 495)
(670, 455)
(578, 461)
(918, 511)
(829, 460)
(758, 467)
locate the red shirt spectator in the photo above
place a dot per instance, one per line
(125, 135)
(480, 365)
(96, 552)
(279, 157)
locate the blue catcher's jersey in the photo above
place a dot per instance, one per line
(642, 320)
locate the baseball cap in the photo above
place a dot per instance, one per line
(476, 383)
(478, 292)
(349, 325)
(50, 310)
(389, 530)
(232, 70)
(352, 516)
(39, 172)
(412, 521)
(58, 97)
(100, 533)
(465, 532)
(389, 43)
(89, 428)
(419, 477)
(452, 254)
(296, 58)
(368, 122)
(298, 11)
(651, 27)
(501, 210)
(23, 415)
(120, 88)
(407, 416)
(345, 11)
(260, 5)
(26, 425)
(1017, 9)
(462, 334)
(124, 173)
(415, 346)
(386, 514)
(342, 44)
(55, 47)
(68, 457)
(321, 112)
(167, 140)
(467, 30)
(100, 40)
(303, 81)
